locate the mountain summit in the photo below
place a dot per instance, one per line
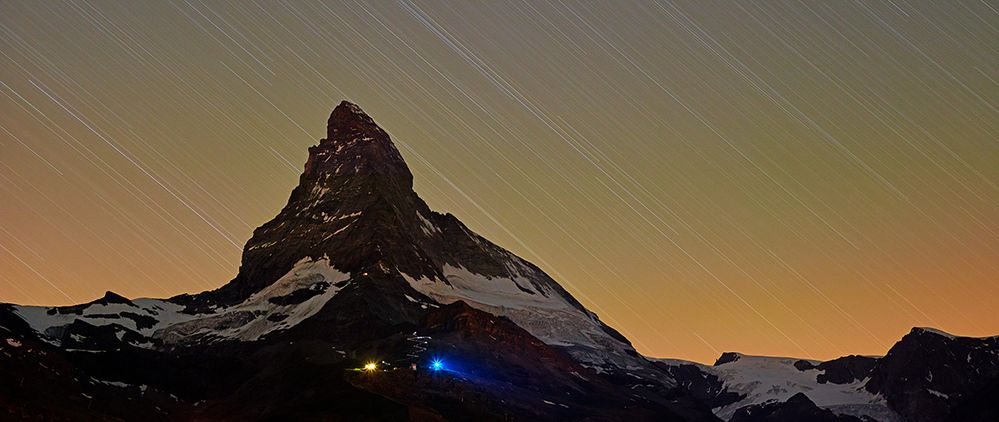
(347, 119)
(354, 204)
(353, 135)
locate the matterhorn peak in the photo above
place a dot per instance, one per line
(354, 211)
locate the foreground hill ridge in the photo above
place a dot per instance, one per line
(356, 269)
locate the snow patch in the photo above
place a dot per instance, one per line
(762, 378)
(544, 313)
(262, 245)
(269, 309)
(936, 331)
(428, 228)
(118, 384)
(161, 312)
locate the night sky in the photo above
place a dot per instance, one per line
(806, 179)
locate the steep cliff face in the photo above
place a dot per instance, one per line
(354, 204)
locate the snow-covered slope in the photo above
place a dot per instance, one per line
(141, 316)
(763, 378)
(760, 379)
(282, 305)
(538, 308)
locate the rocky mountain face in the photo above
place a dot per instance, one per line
(356, 209)
(930, 375)
(796, 408)
(356, 270)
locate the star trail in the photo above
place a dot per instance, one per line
(798, 178)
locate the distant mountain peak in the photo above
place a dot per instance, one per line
(112, 297)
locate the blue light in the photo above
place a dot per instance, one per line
(437, 365)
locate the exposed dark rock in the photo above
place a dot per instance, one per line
(797, 408)
(928, 374)
(844, 370)
(300, 295)
(141, 321)
(705, 387)
(108, 299)
(727, 357)
(277, 317)
(981, 406)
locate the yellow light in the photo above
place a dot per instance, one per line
(370, 366)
